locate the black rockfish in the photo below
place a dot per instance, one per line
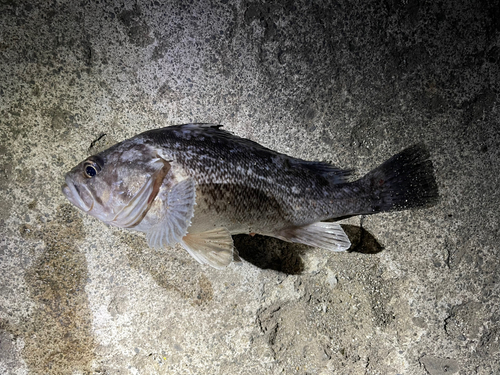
(197, 185)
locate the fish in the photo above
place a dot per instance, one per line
(198, 184)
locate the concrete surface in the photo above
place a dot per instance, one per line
(347, 82)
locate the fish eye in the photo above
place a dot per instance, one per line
(90, 171)
(91, 167)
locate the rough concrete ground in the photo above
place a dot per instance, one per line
(347, 82)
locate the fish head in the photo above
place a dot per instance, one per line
(118, 185)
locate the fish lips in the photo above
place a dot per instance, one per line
(73, 194)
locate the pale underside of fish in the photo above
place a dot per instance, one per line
(197, 185)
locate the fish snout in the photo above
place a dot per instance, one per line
(75, 196)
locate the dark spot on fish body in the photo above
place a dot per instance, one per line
(243, 202)
(243, 199)
(286, 163)
(322, 182)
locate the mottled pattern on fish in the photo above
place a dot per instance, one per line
(237, 175)
(197, 184)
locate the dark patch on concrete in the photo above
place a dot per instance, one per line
(439, 366)
(265, 14)
(268, 324)
(279, 324)
(206, 292)
(6, 161)
(58, 337)
(432, 98)
(25, 176)
(162, 47)
(60, 118)
(32, 205)
(119, 303)
(419, 322)
(167, 93)
(490, 341)
(137, 29)
(172, 269)
(479, 108)
(380, 297)
(5, 207)
(271, 253)
(465, 321)
(8, 353)
(368, 133)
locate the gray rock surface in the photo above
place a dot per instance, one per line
(350, 83)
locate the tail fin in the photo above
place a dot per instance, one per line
(404, 181)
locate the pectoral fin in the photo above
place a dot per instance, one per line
(328, 236)
(177, 218)
(214, 247)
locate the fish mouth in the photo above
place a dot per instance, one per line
(72, 194)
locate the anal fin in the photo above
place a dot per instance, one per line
(214, 247)
(326, 235)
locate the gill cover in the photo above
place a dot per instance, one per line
(130, 215)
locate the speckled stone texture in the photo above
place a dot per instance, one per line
(351, 83)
